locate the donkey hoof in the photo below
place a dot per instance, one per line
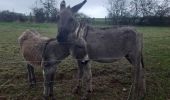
(142, 96)
(53, 98)
(49, 98)
(45, 97)
(84, 98)
(76, 90)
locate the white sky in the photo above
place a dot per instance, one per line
(93, 8)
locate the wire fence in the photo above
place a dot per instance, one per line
(26, 84)
(72, 59)
(16, 42)
(7, 83)
(19, 61)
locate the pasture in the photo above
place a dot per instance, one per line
(110, 81)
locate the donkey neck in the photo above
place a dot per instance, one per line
(81, 30)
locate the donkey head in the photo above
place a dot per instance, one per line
(67, 21)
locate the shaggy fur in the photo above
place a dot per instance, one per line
(31, 45)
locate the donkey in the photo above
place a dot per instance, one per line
(42, 51)
(103, 46)
(31, 48)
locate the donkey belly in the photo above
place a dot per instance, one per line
(109, 47)
(102, 52)
(105, 55)
(103, 60)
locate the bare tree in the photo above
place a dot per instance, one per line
(144, 12)
(147, 7)
(163, 9)
(39, 15)
(135, 8)
(49, 8)
(116, 9)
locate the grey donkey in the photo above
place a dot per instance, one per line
(102, 45)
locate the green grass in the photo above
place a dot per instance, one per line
(108, 79)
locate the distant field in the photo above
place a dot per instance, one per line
(108, 79)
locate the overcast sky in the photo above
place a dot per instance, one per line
(93, 8)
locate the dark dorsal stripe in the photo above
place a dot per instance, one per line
(45, 46)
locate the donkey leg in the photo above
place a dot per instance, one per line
(31, 75)
(138, 86)
(87, 78)
(139, 83)
(141, 79)
(142, 83)
(48, 73)
(79, 77)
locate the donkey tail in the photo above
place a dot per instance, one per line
(142, 62)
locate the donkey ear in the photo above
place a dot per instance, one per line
(78, 6)
(62, 5)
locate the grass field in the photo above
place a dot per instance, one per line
(108, 79)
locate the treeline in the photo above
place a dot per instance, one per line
(44, 11)
(139, 12)
(38, 15)
(120, 12)
(147, 20)
(7, 16)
